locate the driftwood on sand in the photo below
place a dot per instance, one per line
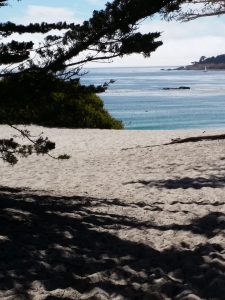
(193, 139)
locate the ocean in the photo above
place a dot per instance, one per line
(138, 99)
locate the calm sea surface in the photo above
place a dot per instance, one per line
(136, 97)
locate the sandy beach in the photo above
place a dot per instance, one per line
(126, 217)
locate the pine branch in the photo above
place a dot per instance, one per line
(10, 149)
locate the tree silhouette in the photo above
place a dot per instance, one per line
(191, 10)
(109, 33)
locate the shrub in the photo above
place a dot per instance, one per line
(52, 102)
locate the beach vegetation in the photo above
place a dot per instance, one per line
(54, 103)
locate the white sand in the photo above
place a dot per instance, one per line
(169, 187)
(110, 164)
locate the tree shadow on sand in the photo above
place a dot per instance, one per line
(213, 181)
(58, 248)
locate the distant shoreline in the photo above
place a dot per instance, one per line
(206, 63)
(211, 67)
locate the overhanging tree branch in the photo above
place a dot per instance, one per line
(113, 30)
(190, 10)
(10, 149)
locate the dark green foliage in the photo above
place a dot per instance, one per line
(49, 101)
(220, 59)
(15, 52)
(8, 28)
(3, 3)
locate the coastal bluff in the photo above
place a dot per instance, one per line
(206, 63)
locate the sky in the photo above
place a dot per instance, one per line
(182, 42)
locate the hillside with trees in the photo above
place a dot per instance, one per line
(211, 63)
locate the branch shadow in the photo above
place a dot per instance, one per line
(59, 248)
(213, 181)
(209, 225)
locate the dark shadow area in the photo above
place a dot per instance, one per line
(49, 243)
(213, 181)
(210, 225)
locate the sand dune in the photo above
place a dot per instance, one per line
(125, 218)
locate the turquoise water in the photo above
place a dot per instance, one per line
(136, 97)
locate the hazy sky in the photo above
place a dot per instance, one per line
(183, 42)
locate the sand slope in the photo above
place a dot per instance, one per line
(119, 220)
